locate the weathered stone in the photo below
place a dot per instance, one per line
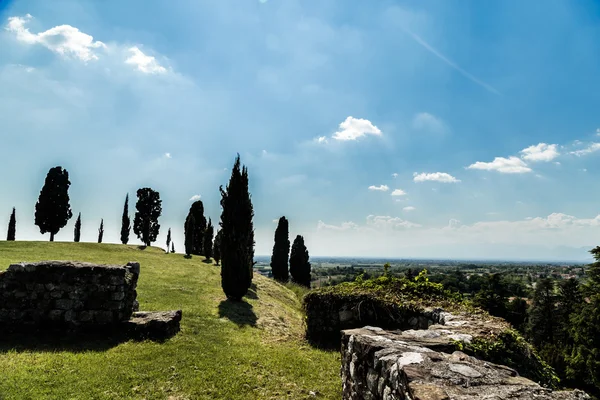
(63, 304)
(156, 325)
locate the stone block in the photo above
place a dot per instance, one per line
(63, 304)
(155, 325)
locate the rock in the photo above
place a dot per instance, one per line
(155, 325)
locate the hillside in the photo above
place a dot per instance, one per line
(254, 349)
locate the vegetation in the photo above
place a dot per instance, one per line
(237, 234)
(125, 222)
(149, 209)
(101, 231)
(189, 234)
(12, 226)
(168, 239)
(77, 230)
(299, 262)
(195, 227)
(252, 349)
(217, 248)
(52, 210)
(281, 251)
(208, 240)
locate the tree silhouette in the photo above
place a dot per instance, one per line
(189, 233)
(217, 248)
(299, 262)
(208, 240)
(281, 251)
(197, 229)
(125, 222)
(149, 209)
(12, 226)
(52, 210)
(168, 239)
(101, 231)
(77, 231)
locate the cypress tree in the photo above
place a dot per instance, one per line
(172, 247)
(12, 226)
(77, 231)
(281, 251)
(217, 248)
(149, 209)
(101, 231)
(237, 234)
(52, 210)
(189, 234)
(125, 222)
(198, 228)
(208, 240)
(299, 263)
(168, 239)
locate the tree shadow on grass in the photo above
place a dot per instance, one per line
(252, 292)
(239, 312)
(53, 342)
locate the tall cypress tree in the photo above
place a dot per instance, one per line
(197, 229)
(189, 234)
(168, 239)
(125, 222)
(52, 210)
(172, 247)
(12, 226)
(281, 251)
(217, 248)
(101, 231)
(149, 209)
(299, 263)
(208, 240)
(77, 231)
(237, 234)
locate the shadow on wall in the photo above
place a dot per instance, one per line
(70, 342)
(239, 312)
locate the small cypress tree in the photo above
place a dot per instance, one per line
(77, 231)
(172, 247)
(101, 231)
(189, 233)
(217, 248)
(125, 222)
(299, 263)
(149, 209)
(12, 226)
(52, 210)
(281, 251)
(208, 240)
(168, 239)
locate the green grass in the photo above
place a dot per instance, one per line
(249, 350)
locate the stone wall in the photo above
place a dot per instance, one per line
(65, 294)
(422, 365)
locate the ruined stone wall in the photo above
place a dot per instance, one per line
(67, 294)
(422, 365)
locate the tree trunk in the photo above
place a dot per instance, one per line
(51, 237)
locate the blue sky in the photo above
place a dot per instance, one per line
(443, 128)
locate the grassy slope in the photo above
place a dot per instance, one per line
(250, 350)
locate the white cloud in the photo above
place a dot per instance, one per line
(598, 131)
(590, 149)
(380, 188)
(168, 155)
(65, 40)
(354, 128)
(540, 152)
(321, 139)
(398, 192)
(394, 175)
(435, 177)
(510, 165)
(195, 197)
(387, 222)
(409, 208)
(144, 63)
(427, 122)
(343, 227)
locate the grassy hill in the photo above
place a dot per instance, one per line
(251, 350)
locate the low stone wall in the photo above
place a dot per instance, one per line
(422, 365)
(67, 294)
(327, 314)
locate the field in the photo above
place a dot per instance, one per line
(248, 350)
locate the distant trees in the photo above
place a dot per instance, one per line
(299, 262)
(217, 248)
(125, 222)
(12, 226)
(542, 316)
(149, 209)
(77, 230)
(493, 295)
(168, 239)
(207, 246)
(101, 231)
(188, 230)
(237, 230)
(281, 251)
(195, 231)
(52, 210)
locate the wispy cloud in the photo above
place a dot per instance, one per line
(510, 165)
(435, 177)
(398, 192)
(380, 188)
(195, 197)
(451, 63)
(168, 155)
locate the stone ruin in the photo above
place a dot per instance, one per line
(65, 296)
(423, 364)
